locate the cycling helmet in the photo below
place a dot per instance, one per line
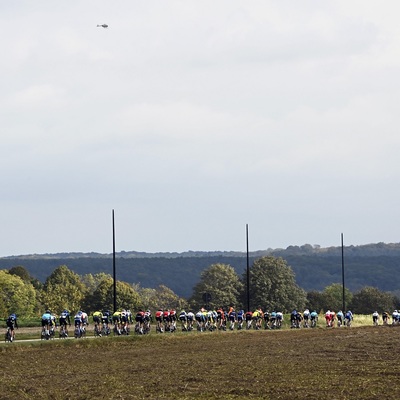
(48, 312)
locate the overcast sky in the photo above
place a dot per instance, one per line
(192, 119)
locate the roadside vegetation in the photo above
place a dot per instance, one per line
(272, 285)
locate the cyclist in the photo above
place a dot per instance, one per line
(166, 320)
(328, 318)
(375, 318)
(64, 320)
(190, 320)
(333, 314)
(46, 323)
(124, 322)
(53, 325)
(129, 316)
(85, 319)
(172, 319)
(266, 320)
(159, 317)
(148, 318)
(116, 319)
(279, 319)
(97, 318)
(299, 318)
(272, 320)
(306, 317)
(248, 317)
(395, 317)
(340, 318)
(240, 318)
(200, 319)
(293, 319)
(212, 318)
(105, 319)
(257, 318)
(78, 324)
(232, 318)
(348, 318)
(12, 323)
(385, 318)
(183, 319)
(221, 324)
(314, 318)
(139, 322)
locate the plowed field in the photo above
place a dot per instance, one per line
(355, 363)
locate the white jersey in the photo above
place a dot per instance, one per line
(190, 315)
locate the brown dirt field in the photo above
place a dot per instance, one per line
(357, 363)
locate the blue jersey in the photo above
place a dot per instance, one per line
(46, 316)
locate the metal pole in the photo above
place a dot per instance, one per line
(343, 287)
(114, 274)
(248, 268)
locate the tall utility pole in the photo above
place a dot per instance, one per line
(248, 268)
(343, 294)
(114, 274)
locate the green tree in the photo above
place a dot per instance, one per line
(16, 296)
(333, 297)
(63, 289)
(20, 271)
(167, 298)
(273, 286)
(24, 274)
(370, 299)
(315, 301)
(92, 281)
(103, 296)
(222, 283)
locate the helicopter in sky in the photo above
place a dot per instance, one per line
(102, 26)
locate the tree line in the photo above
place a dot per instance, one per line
(272, 287)
(315, 268)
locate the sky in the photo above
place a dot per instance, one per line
(191, 119)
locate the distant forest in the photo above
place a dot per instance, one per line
(315, 268)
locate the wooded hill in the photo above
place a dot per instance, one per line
(374, 265)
